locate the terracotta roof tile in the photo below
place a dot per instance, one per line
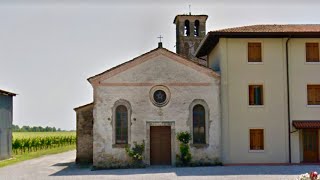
(306, 124)
(274, 28)
(258, 31)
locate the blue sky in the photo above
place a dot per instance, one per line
(49, 48)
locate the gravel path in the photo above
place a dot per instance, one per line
(61, 166)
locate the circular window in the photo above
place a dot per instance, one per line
(159, 95)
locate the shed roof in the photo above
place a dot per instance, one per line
(83, 106)
(7, 93)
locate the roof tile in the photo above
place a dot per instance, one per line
(306, 124)
(274, 28)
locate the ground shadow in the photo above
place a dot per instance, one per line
(73, 169)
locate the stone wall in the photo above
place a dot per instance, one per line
(187, 45)
(84, 133)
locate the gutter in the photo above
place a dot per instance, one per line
(288, 99)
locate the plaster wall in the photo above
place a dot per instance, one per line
(237, 116)
(160, 70)
(302, 73)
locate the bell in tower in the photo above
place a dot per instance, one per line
(190, 30)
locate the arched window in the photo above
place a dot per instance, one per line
(186, 28)
(121, 125)
(196, 28)
(199, 134)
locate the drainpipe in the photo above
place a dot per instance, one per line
(288, 99)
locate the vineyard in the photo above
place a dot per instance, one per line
(31, 142)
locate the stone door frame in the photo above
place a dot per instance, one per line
(173, 139)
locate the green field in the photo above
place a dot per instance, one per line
(41, 134)
(32, 152)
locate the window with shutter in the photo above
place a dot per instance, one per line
(254, 52)
(313, 94)
(255, 95)
(312, 52)
(256, 139)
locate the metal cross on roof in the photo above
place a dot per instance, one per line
(160, 37)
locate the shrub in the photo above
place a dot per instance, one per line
(184, 137)
(136, 153)
(185, 155)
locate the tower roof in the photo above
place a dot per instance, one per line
(189, 15)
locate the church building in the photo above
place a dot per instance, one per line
(151, 98)
(246, 95)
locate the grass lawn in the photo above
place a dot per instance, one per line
(31, 155)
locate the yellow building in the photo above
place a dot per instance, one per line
(270, 91)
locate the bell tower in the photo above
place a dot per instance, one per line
(190, 30)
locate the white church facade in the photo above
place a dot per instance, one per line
(247, 95)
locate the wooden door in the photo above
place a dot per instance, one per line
(310, 145)
(160, 145)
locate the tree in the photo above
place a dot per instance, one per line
(16, 128)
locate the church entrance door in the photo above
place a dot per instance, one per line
(160, 145)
